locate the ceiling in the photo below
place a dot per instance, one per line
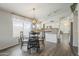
(43, 11)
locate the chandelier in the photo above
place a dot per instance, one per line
(34, 21)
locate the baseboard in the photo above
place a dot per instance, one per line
(9, 47)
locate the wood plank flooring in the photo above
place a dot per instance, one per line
(51, 49)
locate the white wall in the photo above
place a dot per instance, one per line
(65, 26)
(6, 30)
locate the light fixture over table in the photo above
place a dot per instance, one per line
(34, 21)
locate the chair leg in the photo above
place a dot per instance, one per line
(21, 45)
(43, 43)
(38, 49)
(29, 51)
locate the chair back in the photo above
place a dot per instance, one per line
(21, 36)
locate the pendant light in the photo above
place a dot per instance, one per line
(34, 21)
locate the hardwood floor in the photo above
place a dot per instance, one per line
(51, 49)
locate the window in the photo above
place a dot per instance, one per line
(19, 24)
